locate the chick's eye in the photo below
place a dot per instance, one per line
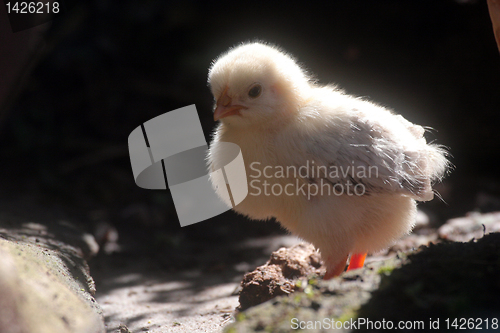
(255, 91)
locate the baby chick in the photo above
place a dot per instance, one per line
(340, 172)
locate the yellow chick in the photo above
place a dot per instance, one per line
(340, 172)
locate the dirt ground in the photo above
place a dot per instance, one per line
(146, 296)
(173, 293)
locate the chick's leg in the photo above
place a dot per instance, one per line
(357, 261)
(335, 270)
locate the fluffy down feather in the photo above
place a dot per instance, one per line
(283, 120)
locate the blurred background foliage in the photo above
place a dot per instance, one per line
(110, 65)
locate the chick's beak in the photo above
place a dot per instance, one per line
(224, 108)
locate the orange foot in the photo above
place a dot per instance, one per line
(357, 261)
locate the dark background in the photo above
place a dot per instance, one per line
(108, 66)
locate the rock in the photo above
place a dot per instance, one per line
(45, 284)
(123, 329)
(472, 226)
(446, 280)
(413, 241)
(316, 300)
(277, 276)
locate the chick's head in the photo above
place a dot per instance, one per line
(256, 84)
